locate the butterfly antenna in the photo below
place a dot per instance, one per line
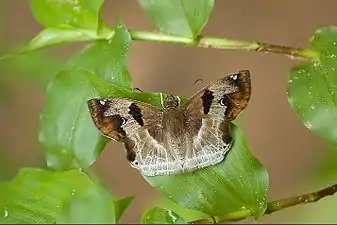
(197, 80)
(137, 89)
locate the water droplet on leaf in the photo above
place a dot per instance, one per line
(6, 214)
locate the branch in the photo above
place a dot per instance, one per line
(224, 43)
(200, 41)
(272, 207)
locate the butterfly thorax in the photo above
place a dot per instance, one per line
(171, 102)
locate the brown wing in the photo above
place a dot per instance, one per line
(139, 126)
(120, 117)
(209, 112)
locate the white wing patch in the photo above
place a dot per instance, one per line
(208, 147)
(152, 158)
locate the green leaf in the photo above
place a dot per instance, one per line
(121, 205)
(69, 137)
(40, 196)
(77, 13)
(179, 17)
(107, 90)
(66, 22)
(108, 58)
(59, 35)
(80, 209)
(239, 182)
(158, 215)
(312, 88)
(37, 67)
(66, 130)
(187, 214)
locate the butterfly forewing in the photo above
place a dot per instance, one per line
(224, 98)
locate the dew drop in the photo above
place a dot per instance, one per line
(312, 107)
(308, 124)
(301, 71)
(290, 81)
(174, 218)
(74, 2)
(77, 8)
(6, 214)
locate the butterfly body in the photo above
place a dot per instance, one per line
(178, 138)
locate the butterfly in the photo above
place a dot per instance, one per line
(180, 137)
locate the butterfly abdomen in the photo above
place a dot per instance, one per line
(175, 132)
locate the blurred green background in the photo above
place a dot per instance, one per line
(298, 161)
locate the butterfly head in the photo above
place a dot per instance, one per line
(171, 102)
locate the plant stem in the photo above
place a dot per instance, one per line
(200, 41)
(224, 43)
(272, 207)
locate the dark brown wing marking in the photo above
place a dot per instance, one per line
(225, 98)
(110, 126)
(207, 100)
(135, 112)
(120, 117)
